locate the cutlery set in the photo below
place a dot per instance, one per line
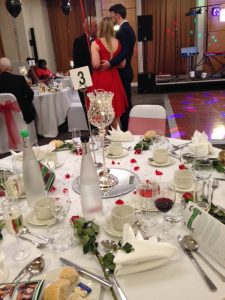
(189, 245)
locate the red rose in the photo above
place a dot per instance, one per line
(74, 218)
(138, 151)
(136, 168)
(67, 176)
(119, 202)
(158, 173)
(182, 167)
(113, 162)
(133, 161)
(187, 197)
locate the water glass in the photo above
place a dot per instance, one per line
(161, 142)
(202, 195)
(202, 168)
(13, 223)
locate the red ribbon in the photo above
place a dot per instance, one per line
(12, 130)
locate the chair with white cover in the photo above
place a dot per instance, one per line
(147, 117)
(11, 123)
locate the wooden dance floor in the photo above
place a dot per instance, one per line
(204, 111)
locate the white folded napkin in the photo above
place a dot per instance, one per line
(120, 136)
(40, 153)
(200, 143)
(147, 254)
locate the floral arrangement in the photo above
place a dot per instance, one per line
(144, 143)
(87, 232)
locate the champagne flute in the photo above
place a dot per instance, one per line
(59, 202)
(76, 134)
(13, 223)
(165, 195)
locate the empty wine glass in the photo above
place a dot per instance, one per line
(59, 204)
(13, 223)
(161, 142)
(165, 195)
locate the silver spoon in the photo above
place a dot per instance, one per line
(37, 244)
(25, 230)
(36, 267)
(192, 245)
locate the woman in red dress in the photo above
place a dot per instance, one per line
(105, 47)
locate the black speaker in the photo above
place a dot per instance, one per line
(146, 83)
(144, 28)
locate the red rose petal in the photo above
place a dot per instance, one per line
(119, 202)
(182, 167)
(158, 173)
(52, 189)
(74, 218)
(134, 192)
(187, 195)
(67, 176)
(2, 193)
(136, 168)
(113, 162)
(65, 190)
(133, 161)
(137, 151)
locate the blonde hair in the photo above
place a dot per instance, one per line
(105, 30)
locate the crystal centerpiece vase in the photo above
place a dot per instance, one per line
(101, 114)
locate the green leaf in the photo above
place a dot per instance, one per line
(127, 248)
(88, 248)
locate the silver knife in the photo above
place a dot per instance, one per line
(208, 281)
(81, 270)
(223, 179)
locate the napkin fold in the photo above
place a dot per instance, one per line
(147, 254)
(200, 143)
(120, 136)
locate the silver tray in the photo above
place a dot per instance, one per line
(128, 181)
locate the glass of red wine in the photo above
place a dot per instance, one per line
(165, 195)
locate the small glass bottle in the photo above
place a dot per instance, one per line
(90, 193)
(32, 177)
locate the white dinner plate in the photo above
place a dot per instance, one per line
(32, 219)
(108, 227)
(155, 164)
(93, 284)
(125, 152)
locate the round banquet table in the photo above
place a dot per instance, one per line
(51, 110)
(174, 281)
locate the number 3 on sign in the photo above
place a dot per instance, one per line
(81, 78)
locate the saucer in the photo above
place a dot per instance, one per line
(108, 227)
(32, 219)
(125, 152)
(155, 164)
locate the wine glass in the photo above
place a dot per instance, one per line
(12, 185)
(13, 223)
(145, 197)
(165, 195)
(76, 134)
(161, 142)
(59, 205)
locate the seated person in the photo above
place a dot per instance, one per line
(17, 85)
(32, 71)
(42, 71)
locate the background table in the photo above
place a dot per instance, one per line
(174, 281)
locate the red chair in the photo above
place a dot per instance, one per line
(147, 117)
(11, 123)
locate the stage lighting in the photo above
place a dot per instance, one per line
(215, 11)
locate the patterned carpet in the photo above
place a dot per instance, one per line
(197, 110)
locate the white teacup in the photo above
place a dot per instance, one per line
(183, 179)
(115, 148)
(42, 209)
(122, 214)
(160, 156)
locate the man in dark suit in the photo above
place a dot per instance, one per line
(81, 51)
(126, 36)
(17, 85)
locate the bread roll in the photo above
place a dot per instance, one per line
(57, 290)
(74, 296)
(70, 274)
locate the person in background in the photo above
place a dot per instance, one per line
(126, 36)
(105, 47)
(17, 85)
(81, 51)
(42, 72)
(32, 71)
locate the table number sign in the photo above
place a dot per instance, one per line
(81, 78)
(207, 230)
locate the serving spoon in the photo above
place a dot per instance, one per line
(36, 267)
(192, 245)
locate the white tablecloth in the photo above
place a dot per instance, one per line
(175, 281)
(51, 110)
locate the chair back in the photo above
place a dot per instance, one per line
(147, 117)
(11, 123)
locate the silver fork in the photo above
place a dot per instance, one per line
(38, 245)
(215, 185)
